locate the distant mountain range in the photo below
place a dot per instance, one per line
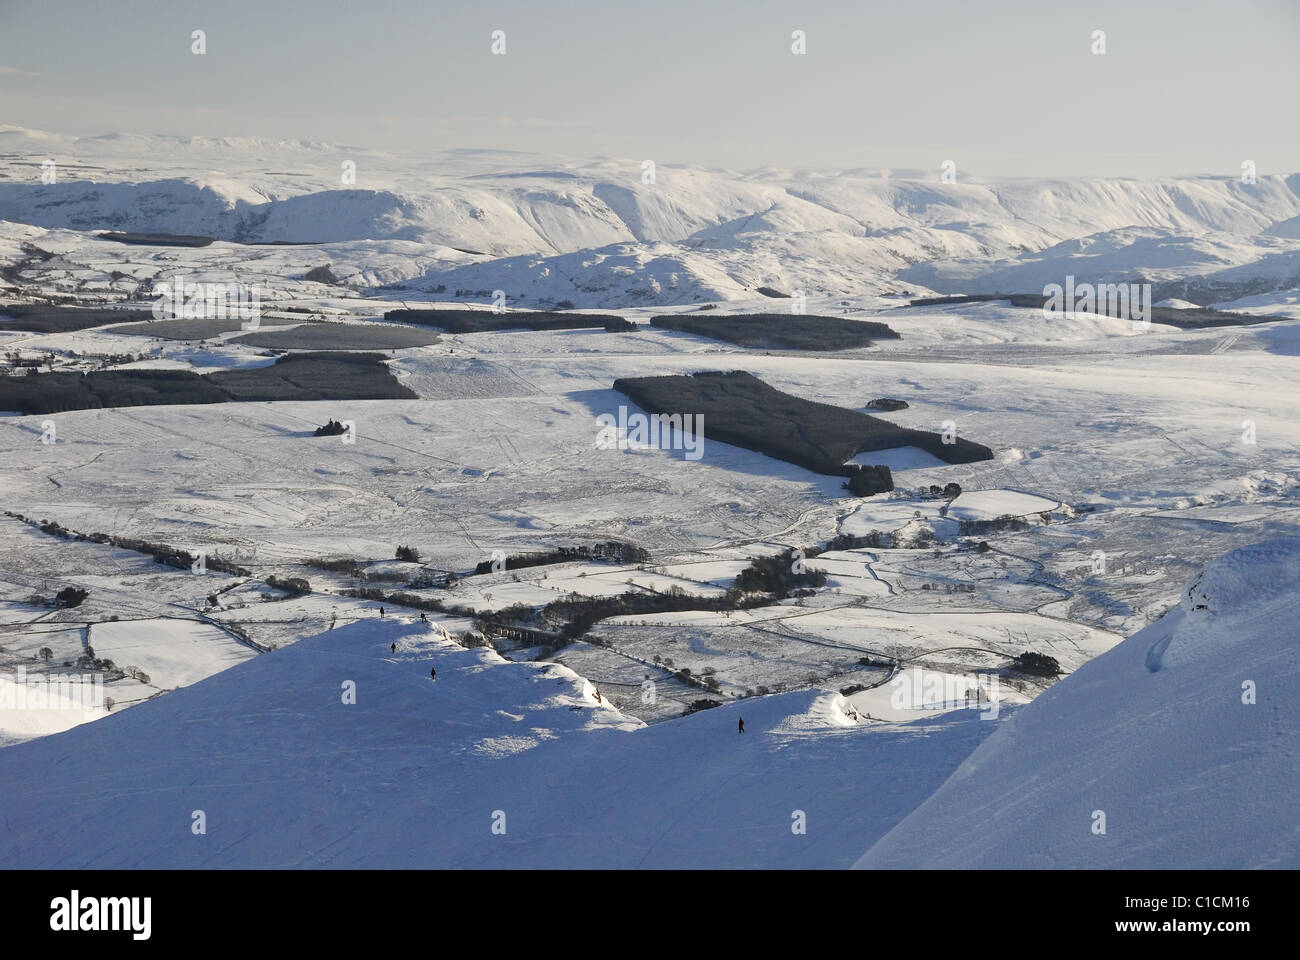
(595, 233)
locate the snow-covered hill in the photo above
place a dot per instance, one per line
(1183, 742)
(521, 764)
(417, 771)
(596, 234)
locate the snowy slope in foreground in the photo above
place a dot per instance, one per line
(413, 773)
(1154, 734)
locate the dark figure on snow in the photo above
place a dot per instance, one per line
(393, 647)
(433, 673)
(742, 724)
(381, 611)
(424, 618)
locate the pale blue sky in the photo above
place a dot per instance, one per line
(1001, 87)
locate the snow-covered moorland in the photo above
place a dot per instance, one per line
(962, 671)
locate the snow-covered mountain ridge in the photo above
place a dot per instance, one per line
(598, 234)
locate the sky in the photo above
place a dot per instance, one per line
(999, 87)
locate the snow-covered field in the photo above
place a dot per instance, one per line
(1125, 460)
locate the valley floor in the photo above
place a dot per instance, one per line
(1123, 464)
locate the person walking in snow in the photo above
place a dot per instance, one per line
(433, 673)
(742, 724)
(393, 647)
(381, 611)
